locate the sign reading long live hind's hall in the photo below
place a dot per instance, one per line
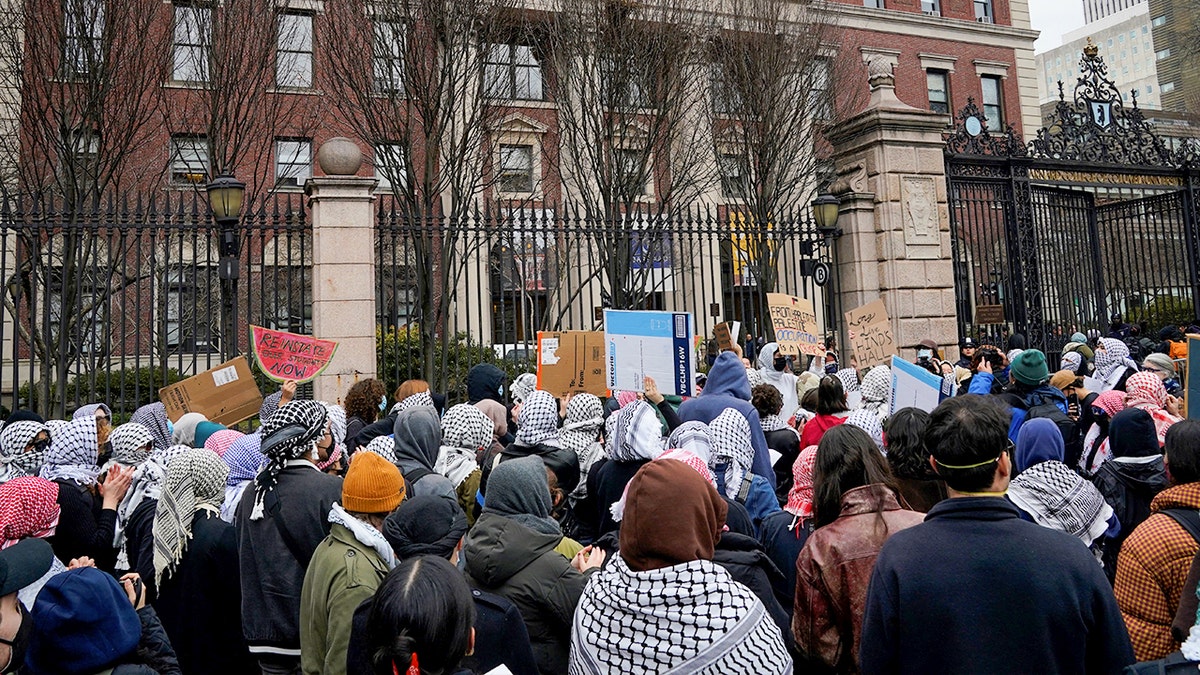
(287, 356)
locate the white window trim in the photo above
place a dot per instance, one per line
(993, 68)
(937, 62)
(518, 129)
(276, 178)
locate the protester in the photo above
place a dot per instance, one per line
(21, 564)
(696, 439)
(1155, 558)
(220, 442)
(29, 510)
(350, 564)
(498, 414)
(23, 446)
(1164, 368)
(153, 416)
(485, 382)
(196, 568)
(877, 392)
(365, 402)
(244, 461)
(731, 461)
(775, 370)
(133, 446)
(728, 387)
(636, 439)
(282, 518)
(831, 411)
(919, 485)
(663, 586)
(1132, 478)
(185, 429)
(417, 439)
(856, 510)
(466, 432)
(1145, 391)
(511, 552)
(974, 588)
(1096, 449)
(1032, 397)
(783, 534)
(539, 435)
(1113, 365)
(781, 438)
(410, 394)
(580, 432)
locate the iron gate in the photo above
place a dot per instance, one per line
(1095, 216)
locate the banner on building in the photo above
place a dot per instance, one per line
(643, 344)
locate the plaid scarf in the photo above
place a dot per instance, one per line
(221, 441)
(1059, 499)
(154, 418)
(539, 420)
(868, 421)
(732, 449)
(695, 437)
(195, 479)
(28, 508)
(638, 435)
(132, 444)
(800, 498)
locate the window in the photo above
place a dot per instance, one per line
(983, 11)
(623, 84)
(390, 41)
(931, 7)
(726, 97)
(938, 84)
(88, 295)
(877, 4)
(1166, 87)
(516, 169)
(820, 96)
(293, 162)
(1109, 43)
(733, 175)
(389, 165)
(190, 289)
(513, 72)
(80, 156)
(1162, 54)
(1121, 38)
(83, 34)
(1135, 49)
(1159, 21)
(189, 160)
(193, 41)
(294, 53)
(629, 175)
(1145, 30)
(1149, 89)
(993, 101)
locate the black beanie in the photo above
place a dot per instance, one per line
(425, 525)
(1132, 434)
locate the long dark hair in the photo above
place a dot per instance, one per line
(831, 397)
(905, 436)
(847, 458)
(424, 607)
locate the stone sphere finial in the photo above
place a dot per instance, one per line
(339, 156)
(879, 72)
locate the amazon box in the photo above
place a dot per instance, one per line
(571, 362)
(226, 394)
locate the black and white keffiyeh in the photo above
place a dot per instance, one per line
(195, 480)
(384, 446)
(868, 421)
(290, 433)
(877, 391)
(539, 420)
(421, 398)
(694, 437)
(14, 461)
(771, 423)
(89, 411)
(523, 386)
(687, 618)
(74, 448)
(1059, 499)
(638, 434)
(849, 378)
(581, 432)
(732, 448)
(465, 431)
(154, 417)
(132, 444)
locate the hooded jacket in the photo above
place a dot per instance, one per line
(517, 563)
(728, 387)
(1130, 480)
(748, 564)
(418, 439)
(783, 380)
(484, 382)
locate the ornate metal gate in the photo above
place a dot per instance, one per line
(1095, 216)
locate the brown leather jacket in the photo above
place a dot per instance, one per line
(833, 571)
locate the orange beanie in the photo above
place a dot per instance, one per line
(372, 485)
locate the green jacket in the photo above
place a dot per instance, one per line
(342, 574)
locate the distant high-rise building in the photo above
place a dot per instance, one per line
(1127, 43)
(1094, 10)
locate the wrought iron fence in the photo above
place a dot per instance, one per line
(112, 301)
(452, 293)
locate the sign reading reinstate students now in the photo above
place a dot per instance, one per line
(287, 356)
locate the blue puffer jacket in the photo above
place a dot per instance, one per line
(728, 387)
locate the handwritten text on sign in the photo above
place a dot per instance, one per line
(870, 333)
(288, 356)
(795, 324)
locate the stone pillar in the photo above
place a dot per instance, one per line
(895, 215)
(343, 267)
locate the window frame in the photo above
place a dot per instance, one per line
(389, 69)
(296, 181)
(936, 9)
(998, 105)
(502, 74)
(199, 52)
(503, 171)
(945, 77)
(83, 23)
(985, 11)
(175, 158)
(385, 183)
(288, 53)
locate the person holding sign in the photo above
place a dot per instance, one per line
(777, 372)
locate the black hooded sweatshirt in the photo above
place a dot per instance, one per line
(483, 382)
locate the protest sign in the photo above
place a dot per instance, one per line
(870, 333)
(727, 334)
(287, 356)
(571, 362)
(1191, 402)
(654, 344)
(914, 387)
(226, 394)
(795, 324)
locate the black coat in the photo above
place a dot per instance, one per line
(787, 443)
(782, 545)
(154, 655)
(200, 603)
(384, 426)
(500, 638)
(606, 483)
(975, 589)
(139, 545)
(1128, 488)
(746, 562)
(83, 529)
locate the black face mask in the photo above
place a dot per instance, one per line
(20, 642)
(781, 365)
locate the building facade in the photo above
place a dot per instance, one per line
(1095, 10)
(1126, 42)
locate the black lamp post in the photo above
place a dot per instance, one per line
(825, 211)
(225, 194)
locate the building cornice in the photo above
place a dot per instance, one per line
(912, 23)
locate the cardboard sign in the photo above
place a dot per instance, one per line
(1191, 395)
(914, 387)
(287, 356)
(226, 394)
(571, 362)
(989, 314)
(653, 344)
(727, 334)
(795, 324)
(870, 331)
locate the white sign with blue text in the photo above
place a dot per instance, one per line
(643, 344)
(914, 387)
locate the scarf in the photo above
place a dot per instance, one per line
(185, 429)
(365, 534)
(466, 427)
(783, 380)
(1112, 358)
(220, 442)
(269, 405)
(755, 378)
(456, 464)
(132, 444)
(195, 480)
(14, 438)
(687, 618)
(518, 490)
(1072, 361)
(800, 497)
(417, 400)
(618, 507)
(1060, 499)
(539, 420)
(877, 391)
(89, 411)
(868, 421)
(695, 437)
(771, 423)
(638, 434)
(73, 452)
(28, 508)
(624, 398)
(148, 479)
(384, 446)
(154, 418)
(584, 419)
(290, 433)
(498, 414)
(849, 378)
(1145, 391)
(523, 386)
(244, 462)
(731, 448)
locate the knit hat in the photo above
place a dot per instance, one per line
(1162, 362)
(1029, 367)
(425, 525)
(82, 622)
(1063, 379)
(372, 485)
(204, 430)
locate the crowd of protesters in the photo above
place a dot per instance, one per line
(783, 520)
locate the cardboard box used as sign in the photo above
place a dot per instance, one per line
(641, 344)
(870, 331)
(571, 362)
(727, 334)
(795, 323)
(226, 394)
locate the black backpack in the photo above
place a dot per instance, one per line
(1072, 439)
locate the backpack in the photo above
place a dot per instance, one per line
(1072, 439)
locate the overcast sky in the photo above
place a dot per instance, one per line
(1053, 18)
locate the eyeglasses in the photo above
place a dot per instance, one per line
(1152, 369)
(39, 445)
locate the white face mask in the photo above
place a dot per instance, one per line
(925, 354)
